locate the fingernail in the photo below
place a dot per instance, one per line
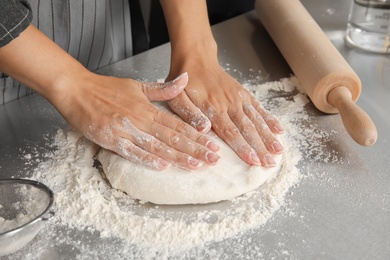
(194, 162)
(255, 158)
(200, 122)
(269, 161)
(180, 77)
(162, 164)
(277, 147)
(204, 127)
(212, 146)
(279, 128)
(212, 157)
(175, 80)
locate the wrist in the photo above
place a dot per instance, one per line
(203, 47)
(68, 84)
(188, 55)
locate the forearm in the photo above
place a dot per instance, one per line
(39, 63)
(189, 29)
(113, 112)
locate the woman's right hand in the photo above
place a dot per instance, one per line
(115, 113)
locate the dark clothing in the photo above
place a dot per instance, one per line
(15, 16)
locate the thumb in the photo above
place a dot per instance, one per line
(164, 91)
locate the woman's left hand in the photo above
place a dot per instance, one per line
(214, 99)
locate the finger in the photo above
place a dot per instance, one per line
(167, 152)
(185, 145)
(269, 119)
(164, 91)
(228, 132)
(133, 153)
(251, 135)
(186, 130)
(149, 143)
(270, 141)
(191, 114)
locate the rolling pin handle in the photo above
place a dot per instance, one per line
(357, 122)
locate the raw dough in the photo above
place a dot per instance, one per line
(230, 178)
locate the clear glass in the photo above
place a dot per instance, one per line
(369, 25)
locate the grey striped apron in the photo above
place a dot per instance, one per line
(95, 32)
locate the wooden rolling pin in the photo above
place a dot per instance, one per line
(327, 78)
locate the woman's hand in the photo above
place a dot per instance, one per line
(212, 95)
(235, 115)
(115, 113)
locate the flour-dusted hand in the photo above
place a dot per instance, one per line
(212, 95)
(115, 113)
(235, 115)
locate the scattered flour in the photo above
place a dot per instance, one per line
(123, 227)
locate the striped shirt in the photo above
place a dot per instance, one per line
(95, 32)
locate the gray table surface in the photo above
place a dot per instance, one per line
(344, 214)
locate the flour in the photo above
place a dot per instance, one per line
(18, 221)
(22, 206)
(125, 228)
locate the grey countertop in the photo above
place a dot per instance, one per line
(343, 215)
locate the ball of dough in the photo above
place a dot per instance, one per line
(230, 178)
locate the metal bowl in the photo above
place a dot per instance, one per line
(24, 210)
